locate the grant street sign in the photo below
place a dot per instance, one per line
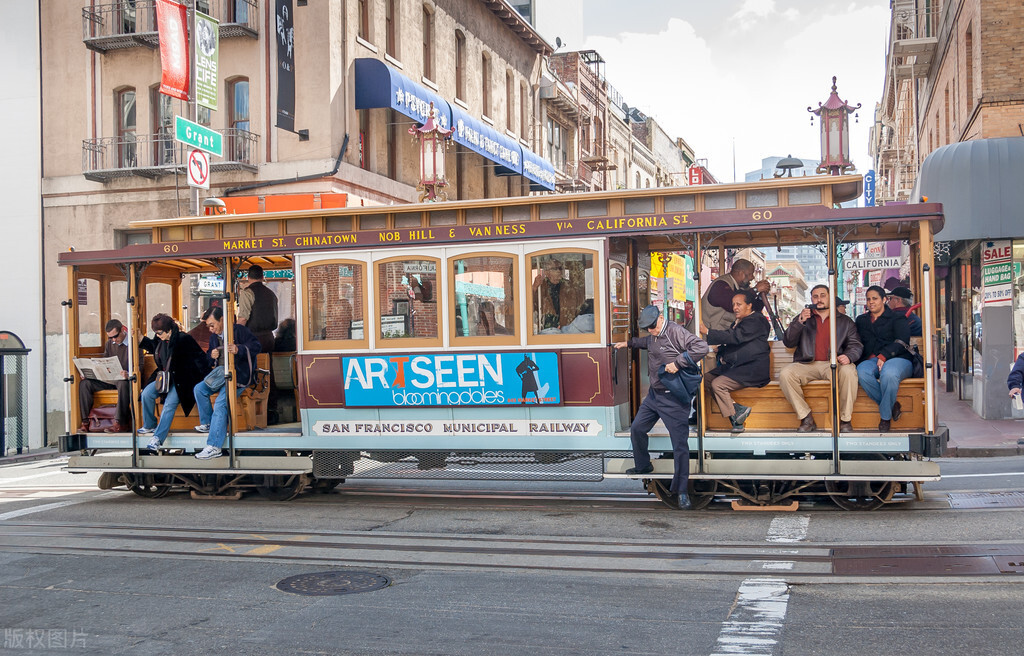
(198, 136)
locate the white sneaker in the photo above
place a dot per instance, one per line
(203, 428)
(208, 453)
(153, 445)
(146, 431)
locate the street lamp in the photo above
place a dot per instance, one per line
(433, 141)
(834, 116)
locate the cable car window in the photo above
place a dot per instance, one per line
(90, 319)
(406, 301)
(335, 300)
(484, 293)
(562, 297)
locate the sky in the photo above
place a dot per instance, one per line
(740, 72)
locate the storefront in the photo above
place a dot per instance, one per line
(979, 255)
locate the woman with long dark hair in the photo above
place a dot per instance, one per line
(176, 352)
(885, 361)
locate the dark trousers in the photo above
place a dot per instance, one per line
(675, 415)
(89, 387)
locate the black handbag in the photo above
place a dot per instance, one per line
(163, 378)
(915, 358)
(684, 383)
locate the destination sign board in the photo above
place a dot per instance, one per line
(872, 263)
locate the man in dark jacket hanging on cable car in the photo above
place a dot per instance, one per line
(667, 346)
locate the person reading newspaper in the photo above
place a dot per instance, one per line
(102, 374)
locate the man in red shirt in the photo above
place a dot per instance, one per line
(810, 335)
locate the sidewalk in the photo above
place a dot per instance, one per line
(970, 436)
(44, 453)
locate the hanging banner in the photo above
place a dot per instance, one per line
(207, 53)
(285, 66)
(170, 21)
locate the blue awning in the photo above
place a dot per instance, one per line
(539, 171)
(485, 140)
(379, 85)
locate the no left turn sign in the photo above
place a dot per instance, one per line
(198, 169)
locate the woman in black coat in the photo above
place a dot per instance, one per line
(743, 358)
(177, 352)
(885, 362)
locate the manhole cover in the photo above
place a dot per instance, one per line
(327, 584)
(987, 500)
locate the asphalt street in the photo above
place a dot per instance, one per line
(507, 568)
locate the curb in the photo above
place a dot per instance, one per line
(39, 454)
(983, 451)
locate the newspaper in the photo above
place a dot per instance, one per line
(106, 369)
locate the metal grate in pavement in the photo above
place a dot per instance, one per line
(965, 500)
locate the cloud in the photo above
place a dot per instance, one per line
(752, 12)
(715, 88)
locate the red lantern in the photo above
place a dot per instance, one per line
(433, 141)
(834, 116)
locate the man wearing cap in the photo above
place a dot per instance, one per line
(841, 305)
(666, 344)
(900, 301)
(810, 335)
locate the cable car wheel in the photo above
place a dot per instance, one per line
(280, 488)
(860, 495)
(325, 485)
(149, 486)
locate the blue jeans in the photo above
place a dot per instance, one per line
(216, 417)
(149, 397)
(882, 384)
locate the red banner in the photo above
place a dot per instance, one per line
(174, 80)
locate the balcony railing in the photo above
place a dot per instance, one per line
(914, 33)
(132, 23)
(154, 155)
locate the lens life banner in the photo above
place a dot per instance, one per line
(207, 55)
(285, 66)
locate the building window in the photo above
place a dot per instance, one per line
(163, 127)
(239, 11)
(637, 180)
(126, 148)
(238, 113)
(364, 20)
(556, 144)
(390, 28)
(969, 68)
(428, 43)
(364, 139)
(460, 65)
(485, 84)
(510, 99)
(392, 133)
(524, 117)
(945, 111)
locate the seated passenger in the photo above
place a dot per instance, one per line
(884, 362)
(583, 324)
(743, 357)
(558, 298)
(900, 300)
(810, 334)
(176, 352)
(486, 323)
(245, 348)
(285, 341)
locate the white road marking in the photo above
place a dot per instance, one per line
(788, 528)
(5, 481)
(945, 476)
(46, 506)
(756, 620)
(777, 564)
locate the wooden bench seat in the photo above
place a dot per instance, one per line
(251, 410)
(771, 410)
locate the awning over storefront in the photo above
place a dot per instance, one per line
(379, 85)
(485, 140)
(979, 185)
(538, 171)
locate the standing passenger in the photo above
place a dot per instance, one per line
(743, 359)
(716, 305)
(884, 362)
(257, 309)
(666, 346)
